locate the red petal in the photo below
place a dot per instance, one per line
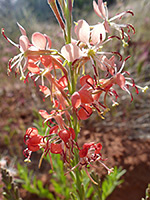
(73, 134)
(33, 68)
(35, 139)
(83, 152)
(46, 60)
(22, 30)
(44, 114)
(63, 81)
(31, 131)
(24, 43)
(64, 135)
(53, 130)
(86, 79)
(33, 59)
(98, 148)
(88, 145)
(76, 100)
(82, 30)
(33, 142)
(56, 148)
(98, 34)
(120, 80)
(44, 89)
(85, 112)
(33, 148)
(71, 52)
(86, 96)
(48, 40)
(39, 40)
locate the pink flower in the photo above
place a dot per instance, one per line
(89, 48)
(34, 55)
(88, 37)
(102, 11)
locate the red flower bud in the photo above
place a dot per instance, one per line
(56, 148)
(64, 135)
(33, 142)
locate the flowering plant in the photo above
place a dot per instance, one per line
(74, 93)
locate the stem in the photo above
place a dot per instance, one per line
(75, 123)
(79, 184)
(72, 88)
(73, 82)
(68, 12)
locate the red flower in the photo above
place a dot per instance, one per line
(33, 139)
(56, 148)
(83, 152)
(64, 135)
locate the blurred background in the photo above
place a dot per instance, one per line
(124, 134)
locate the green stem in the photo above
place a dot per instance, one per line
(75, 124)
(68, 12)
(79, 184)
(72, 76)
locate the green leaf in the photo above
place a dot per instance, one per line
(111, 182)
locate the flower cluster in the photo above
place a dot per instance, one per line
(74, 93)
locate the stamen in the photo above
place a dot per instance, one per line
(130, 12)
(29, 155)
(101, 38)
(40, 161)
(137, 91)
(131, 26)
(144, 89)
(9, 65)
(96, 108)
(85, 109)
(120, 15)
(115, 104)
(95, 79)
(126, 89)
(127, 58)
(128, 38)
(72, 168)
(108, 169)
(89, 84)
(126, 72)
(90, 176)
(33, 78)
(114, 36)
(117, 53)
(123, 64)
(95, 70)
(102, 105)
(3, 33)
(122, 31)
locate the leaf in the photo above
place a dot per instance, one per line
(111, 182)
